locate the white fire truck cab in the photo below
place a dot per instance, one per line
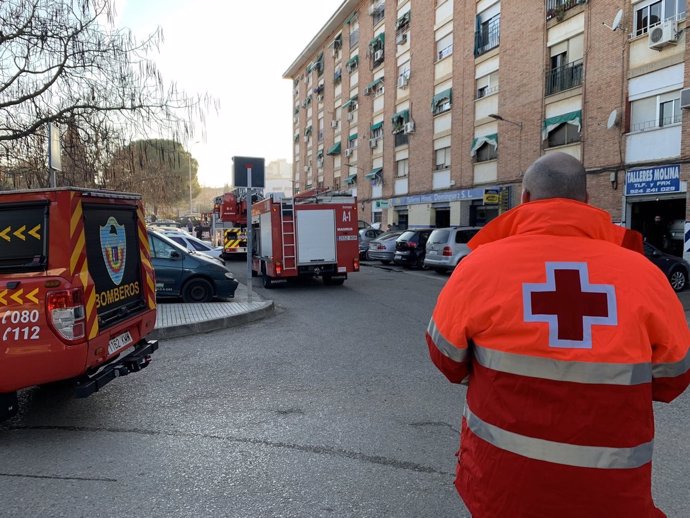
(313, 234)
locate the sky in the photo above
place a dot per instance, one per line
(237, 52)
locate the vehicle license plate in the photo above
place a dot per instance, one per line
(119, 342)
(433, 252)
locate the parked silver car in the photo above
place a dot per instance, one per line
(366, 235)
(383, 247)
(447, 246)
(194, 244)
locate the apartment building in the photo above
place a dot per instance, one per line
(429, 111)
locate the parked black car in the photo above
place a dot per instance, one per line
(410, 247)
(675, 268)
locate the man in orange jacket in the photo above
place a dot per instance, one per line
(565, 337)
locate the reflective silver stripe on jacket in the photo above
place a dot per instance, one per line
(443, 345)
(559, 370)
(671, 370)
(557, 452)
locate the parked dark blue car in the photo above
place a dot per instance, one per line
(675, 268)
(190, 275)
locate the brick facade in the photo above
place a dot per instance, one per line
(554, 58)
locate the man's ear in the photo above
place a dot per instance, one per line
(525, 196)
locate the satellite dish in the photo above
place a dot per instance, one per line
(617, 20)
(613, 119)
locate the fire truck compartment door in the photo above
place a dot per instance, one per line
(266, 236)
(316, 236)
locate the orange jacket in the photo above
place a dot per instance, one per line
(566, 337)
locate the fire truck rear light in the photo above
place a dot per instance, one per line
(447, 251)
(279, 268)
(66, 313)
(355, 264)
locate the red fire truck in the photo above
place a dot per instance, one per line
(77, 290)
(231, 209)
(313, 234)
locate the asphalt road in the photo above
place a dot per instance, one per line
(329, 409)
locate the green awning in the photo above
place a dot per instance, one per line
(378, 41)
(377, 126)
(334, 149)
(403, 20)
(478, 142)
(552, 123)
(440, 97)
(352, 137)
(351, 179)
(307, 131)
(352, 61)
(400, 119)
(373, 173)
(371, 86)
(351, 18)
(350, 102)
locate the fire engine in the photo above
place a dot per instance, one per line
(314, 234)
(77, 290)
(231, 209)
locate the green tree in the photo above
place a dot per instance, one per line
(157, 168)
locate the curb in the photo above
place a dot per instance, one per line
(207, 326)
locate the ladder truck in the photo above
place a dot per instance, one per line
(231, 209)
(313, 234)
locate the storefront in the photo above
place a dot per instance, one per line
(655, 205)
(463, 207)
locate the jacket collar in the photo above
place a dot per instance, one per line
(555, 217)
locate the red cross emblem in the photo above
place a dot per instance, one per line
(570, 304)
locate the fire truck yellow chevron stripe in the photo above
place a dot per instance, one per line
(145, 257)
(79, 266)
(77, 254)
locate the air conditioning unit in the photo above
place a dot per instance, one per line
(334, 124)
(663, 35)
(351, 116)
(409, 127)
(373, 142)
(378, 55)
(685, 98)
(403, 81)
(348, 152)
(401, 38)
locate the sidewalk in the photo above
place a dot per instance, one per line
(176, 319)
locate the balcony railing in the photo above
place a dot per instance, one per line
(488, 36)
(563, 78)
(557, 8)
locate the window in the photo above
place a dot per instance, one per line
(402, 167)
(566, 133)
(321, 129)
(485, 148)
(404, 74)
(402, 26)
(161, 249)
(376, 49)
(354, 32)
(442, 158)
(655, 112)
(378, 11)
(442, 102)
(337, 46)
(566, 65)
(488, 32)
(652, 13)
(487, 85)
(401, 139)
(352, 64)
(444, 47)
(377, 131)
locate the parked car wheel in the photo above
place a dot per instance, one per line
(267, 281)
(197, 290)
(678, 279)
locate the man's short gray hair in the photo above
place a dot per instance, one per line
(556, 175)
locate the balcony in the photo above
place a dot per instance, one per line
(488, 36)
(563, 78)
(557, 8)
